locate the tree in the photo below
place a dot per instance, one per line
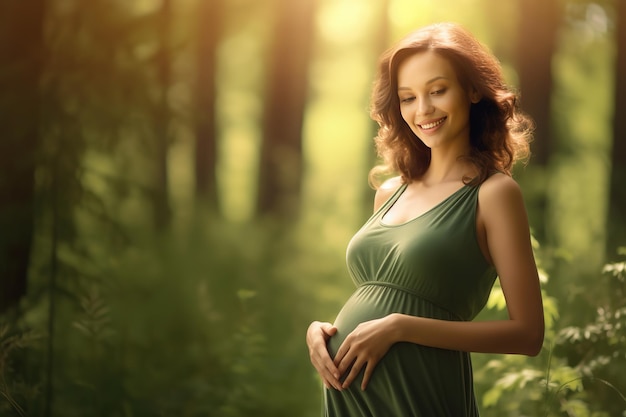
(538, 27)
(162, 116)
(281, 149)
(381, 41)
(617, 196)
(210, 15)
(21, 55)
(537, 37)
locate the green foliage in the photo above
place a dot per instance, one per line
(212, 323)
(578, 373)
(208, 318)
(209, 323)
(598, 349)
(15, 391)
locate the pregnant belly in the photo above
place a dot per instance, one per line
(367, 303)
(372, 302)
(417, 377)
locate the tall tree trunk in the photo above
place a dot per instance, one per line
(537, 38)
(381, 42)
(281, 168)
(617, 196)
(538, 29)
(209, 29)
(21, 52)
(162, 213)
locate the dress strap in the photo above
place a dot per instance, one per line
(391, 200)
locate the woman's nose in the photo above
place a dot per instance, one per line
(424, 106)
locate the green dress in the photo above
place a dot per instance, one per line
(430, 266)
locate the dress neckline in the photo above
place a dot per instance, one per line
(392, 201)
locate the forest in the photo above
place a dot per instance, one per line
(179, 181)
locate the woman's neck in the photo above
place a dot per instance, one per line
(448, 166)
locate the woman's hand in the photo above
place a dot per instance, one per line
(363, 348)
(316, 337)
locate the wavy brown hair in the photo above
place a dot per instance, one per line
(499, 131)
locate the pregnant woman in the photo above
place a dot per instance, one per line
(443, 229)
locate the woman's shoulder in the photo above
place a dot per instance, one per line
(498, 184)
(500, 192)
(386, 190)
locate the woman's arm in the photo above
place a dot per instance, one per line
(503, 220)
(503, 216)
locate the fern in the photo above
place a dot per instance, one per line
(9, 343)
(95, 321)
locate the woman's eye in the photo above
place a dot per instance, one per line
(407, 99)
(438, 92)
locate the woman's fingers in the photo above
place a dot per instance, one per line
(344, 358)
(349, 358)
(327, 370)
(367, 374)
(354, 372)
(317, 336)
(361, 350)
(329, 329)
(363, 363)
(340, 360)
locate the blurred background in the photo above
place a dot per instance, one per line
(179, 180)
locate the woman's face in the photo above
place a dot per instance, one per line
(432, 101)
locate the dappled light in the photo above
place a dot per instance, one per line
(179, 181)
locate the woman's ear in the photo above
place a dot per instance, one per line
(475, 96)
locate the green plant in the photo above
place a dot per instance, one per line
(14, 390)
(578, 373)
(598, 349)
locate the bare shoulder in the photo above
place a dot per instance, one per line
(385, 191)
(499, 186)
(500, 196)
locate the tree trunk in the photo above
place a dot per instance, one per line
(536, 43)
(162, 213)
(538, 29)
(617, 197)
(21, 51)
(209, 28)
(381, 42)
(281, 168)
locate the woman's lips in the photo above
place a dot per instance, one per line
(432, 125)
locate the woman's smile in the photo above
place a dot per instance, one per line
(430, 125)
(432, 100)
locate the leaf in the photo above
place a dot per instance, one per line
(244, 294)
(494, 364)
(508, 380)
(496, 299)
(491, 397)
(567, 378)
(618, 270)
(550, 310)
(575, 407)
(529, 375)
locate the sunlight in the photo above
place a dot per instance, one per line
(239, 110)
(237, 172)
(141, 7)
(344, 21)
(409, 14)
(591, 20)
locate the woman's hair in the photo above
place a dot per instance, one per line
(499, 131)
